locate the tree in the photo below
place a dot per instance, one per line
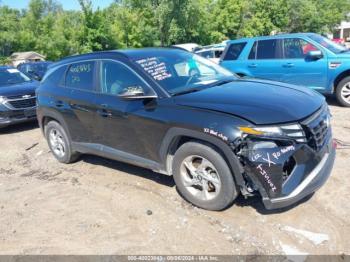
(9, 19)
(95, 34)
(46, 28)
(320, 16)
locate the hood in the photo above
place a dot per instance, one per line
(258, 101)
(344, 55)
(24, 88)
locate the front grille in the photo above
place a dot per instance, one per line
(317, 128)
(23, 103)
(19, 96)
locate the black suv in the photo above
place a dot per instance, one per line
(17, 97)
(179, 114)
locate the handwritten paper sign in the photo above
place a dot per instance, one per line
(81, 68)
(155, 68)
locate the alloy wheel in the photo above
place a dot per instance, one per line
(200, 177)
(345, 92)
(57, 143)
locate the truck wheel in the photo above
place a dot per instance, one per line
(59, 143)
(203, 177)
(343, 92)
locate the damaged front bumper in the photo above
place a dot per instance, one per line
(313, 181)
(285, 173)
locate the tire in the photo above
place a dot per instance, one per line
(62, 150)
(216, 177)
(342, 92)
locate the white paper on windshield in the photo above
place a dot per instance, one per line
(12, 70)
(155, 68)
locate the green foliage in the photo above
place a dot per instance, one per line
(46, 28)
(4, 60)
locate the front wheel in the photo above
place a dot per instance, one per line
(59, 143)
(343, 92)
(203, 177)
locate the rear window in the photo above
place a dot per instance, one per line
(266, 49)
(81, 75)
(206, 54)
(234, 51)
(56, 77)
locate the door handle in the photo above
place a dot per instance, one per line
(59, 103)
(252, 65)
(288, 65)
(104, 113)
(78, 107)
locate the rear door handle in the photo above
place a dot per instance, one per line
(59, 103)
(104, 112)
(288, 65)
(78, 107)
(252, 65)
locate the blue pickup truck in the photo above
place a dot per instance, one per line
(306, 59)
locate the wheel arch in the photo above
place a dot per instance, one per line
(340, 77)
(175, 137)
(48, 115)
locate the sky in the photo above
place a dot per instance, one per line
(67, 4)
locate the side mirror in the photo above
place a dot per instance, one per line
(315, 55)
(134, 92)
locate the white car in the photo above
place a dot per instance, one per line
(212, 53)
(190, 47)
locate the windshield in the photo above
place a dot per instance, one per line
(11, 76)
(329, 44)
(38, 68)
(178, 72)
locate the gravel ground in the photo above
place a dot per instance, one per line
(99, 206)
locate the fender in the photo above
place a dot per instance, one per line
(43, 112)
(175, 133)
(334, 81)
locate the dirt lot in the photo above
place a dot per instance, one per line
(99, 206)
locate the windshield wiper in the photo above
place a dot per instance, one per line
(187, 91)
(222, 82)
(13, 83)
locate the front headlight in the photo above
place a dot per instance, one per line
(294, 131)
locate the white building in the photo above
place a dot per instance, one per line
(23, 57)
(343, 31)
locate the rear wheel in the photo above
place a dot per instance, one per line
(203, 177)
(343, 92)
(59, 143)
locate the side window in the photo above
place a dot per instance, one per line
(116, 77)
(297, 48)
(268, 49)
(81, 76)
(307, 47)
(218, 53)
(56, 77)
(252, 54)
(206, 54)
(234, 51)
